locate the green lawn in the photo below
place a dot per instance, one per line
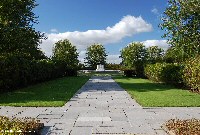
(52, 93)
(149, 94)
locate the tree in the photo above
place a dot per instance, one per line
(66, 53)
(95, 55)
(17, 34)
(181, 22)
(134, 57)
(174, 55)
(133, 54)
(154, 54)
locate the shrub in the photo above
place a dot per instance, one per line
(13, 71)
(16, 71)
(129, 72)
(172, 74)
(111, 66)
(191, 74)
(165, 72)
(20, 126)
(153, 71)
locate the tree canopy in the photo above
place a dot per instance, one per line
(133, 54)
(95, 55)
(16, 29)
(154, 54)
(181, 22)
(65, 52)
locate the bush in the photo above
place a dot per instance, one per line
(191, 74)
(111, 66)
(172, 74)
(16, 71)
(13, 71)
(20, 126)
(129, 72)
(139, 69)
(165, 72)
(153, 71)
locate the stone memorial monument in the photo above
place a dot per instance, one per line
(100, 68)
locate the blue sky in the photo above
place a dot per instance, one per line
(113, 23)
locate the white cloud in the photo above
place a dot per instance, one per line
(155, 11)
(126, 27)
(160, 43)
(82, 56)
(114, 59)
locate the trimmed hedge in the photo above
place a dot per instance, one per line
(173, 74)
(129, 72)
(153, 71)
(165, 72)
(137, 71)
(16, 71)
(191, 74)
(187, 75)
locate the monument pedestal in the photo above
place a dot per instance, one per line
(100, 68)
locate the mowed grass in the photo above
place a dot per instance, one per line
(52, 93)
(150, 94)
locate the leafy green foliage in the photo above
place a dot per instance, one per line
(20, 126)
(16, 32)
(182, 25)
(172, 74)
(95, 55)
(111, 66)
(174, 55)
(153, 71)
(16, 71)
(133, 54)
(66, 53)
(163, 72)
(129, 72)
(134, 57)
(191, 74)
(154, 54)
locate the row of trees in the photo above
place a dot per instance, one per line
(180, 63)
(135, 56)
(21, 61)
(136, 53)
(67, 53)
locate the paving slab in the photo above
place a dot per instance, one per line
(101, 106)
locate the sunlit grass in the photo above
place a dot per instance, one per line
(150, 94)
(51, 93)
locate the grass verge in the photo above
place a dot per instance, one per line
(48, 94)
(150, 94)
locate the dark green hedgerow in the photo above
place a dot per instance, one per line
(21, 126)
(16, 71)
(165, 72)
(187, 74)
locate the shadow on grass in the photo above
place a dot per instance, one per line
(52, 93)
(142, 85)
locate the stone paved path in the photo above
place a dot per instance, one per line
(102, 107)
